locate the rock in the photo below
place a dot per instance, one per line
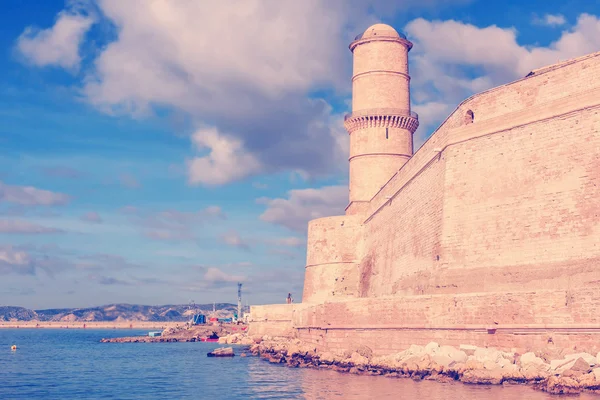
(561, 385)
(511, 371)
(455, 354)
(529, 359)
(293, 349)
(534, 372)
(432, 348)
(246, 341)
(490, 365)
(468, 349)
(364, 351)
(222, 352)
(243, 355)
(472, 364)
(413, 350)
(590, 359)
(326, 357)
(489, 377)
(485, 354)
(596, 373)
(442, 360)
(580, 367)
(358, 360)
(588, 381)
(222, 340)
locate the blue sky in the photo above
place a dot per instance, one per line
(158, 152)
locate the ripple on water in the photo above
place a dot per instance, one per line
(72, 364)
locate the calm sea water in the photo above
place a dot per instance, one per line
(72, 364)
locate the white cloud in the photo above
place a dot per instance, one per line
(305, 204)
(233, 239)
(216, 276)
(24, 227)
(453, 60)
(172, 225)
(92, 217)
(291, 241)
(58, 45)
(250, 78)
(550, 20)
(226, 162)
(30, 196)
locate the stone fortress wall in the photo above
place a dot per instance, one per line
(488, 235)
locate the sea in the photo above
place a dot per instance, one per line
(73, 364)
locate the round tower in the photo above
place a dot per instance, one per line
(381, 124)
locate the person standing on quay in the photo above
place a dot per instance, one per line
(289, 299)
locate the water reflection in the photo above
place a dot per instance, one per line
(326, 384)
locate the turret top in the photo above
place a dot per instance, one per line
(383, 31)
(380, 30)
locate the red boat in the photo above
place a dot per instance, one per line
(205, 339)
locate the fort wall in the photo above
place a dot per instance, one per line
(488, 235)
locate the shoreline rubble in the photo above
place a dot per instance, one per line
(180, 334)
(565, 371)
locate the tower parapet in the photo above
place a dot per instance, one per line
(381, 124)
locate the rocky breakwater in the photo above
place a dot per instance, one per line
(178, 334)
(553, 371)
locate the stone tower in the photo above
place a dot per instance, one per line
(381, 124)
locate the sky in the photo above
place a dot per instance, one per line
(158, 152)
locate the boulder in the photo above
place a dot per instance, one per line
(561, 385)
(432, 348)
(534, 372)
(246, 341)
(490, 365)
(414, 350)
(221, 352)
(580, 367)
(487, 354)
(588, 381)
(489, 377)
(468, 349)
(590, 359)
(326, 358)
(530, 359)
(472, 364)
(453, 353)
(293, 349)
(358, 360)
(596, 372)
(223, 340)
(442, 360)
(511, 371)
(364, 351)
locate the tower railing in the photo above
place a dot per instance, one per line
(382, 111)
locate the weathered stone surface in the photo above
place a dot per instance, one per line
(222, 352)
(561, 385)
(468, 349)
(493, 377)
(579, 367)
(530, 359)
(415, 243)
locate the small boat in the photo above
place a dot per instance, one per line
(212, 338)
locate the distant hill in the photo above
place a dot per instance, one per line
(116, 312)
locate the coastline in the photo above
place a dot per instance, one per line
(556, 371)
(88, 324)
